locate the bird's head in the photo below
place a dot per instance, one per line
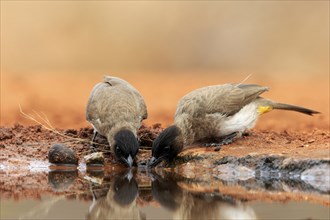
(125, 188)
(125, 147)
(166, 146)
(166, 191)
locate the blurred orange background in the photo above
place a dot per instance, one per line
(54, 52)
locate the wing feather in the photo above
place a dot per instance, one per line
(224, 99)
(115, 100)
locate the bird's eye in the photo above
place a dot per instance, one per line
(118, 150)
(167, 148)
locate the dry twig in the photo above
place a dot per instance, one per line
(45, 123)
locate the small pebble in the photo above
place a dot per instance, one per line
(61, 180)
(19, 141)
(311, 141)
(96, 158)
(59, 154)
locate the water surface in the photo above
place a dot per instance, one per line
(153, 195)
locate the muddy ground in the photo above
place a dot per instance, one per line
(198, 169)
(22, 144)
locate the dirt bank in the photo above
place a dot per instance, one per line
(197, 170)
(21, 144)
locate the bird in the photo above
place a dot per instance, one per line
(172, 193)
(165, 190)
(116, 199)
(116, 110)
(214, 116)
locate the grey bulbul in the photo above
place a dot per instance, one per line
(116, 109)
(215, 115)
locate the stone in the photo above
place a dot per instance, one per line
(96, 158)
(318, 176)
(59, 154)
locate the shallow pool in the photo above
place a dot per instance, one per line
(152, 195)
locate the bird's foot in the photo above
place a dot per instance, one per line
(229, 138)
(217, 146)
(246, 134)
(224, 141)
(93, 148)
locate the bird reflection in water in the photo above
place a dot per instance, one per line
(118, 201)
(196, 205)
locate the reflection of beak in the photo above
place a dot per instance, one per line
(129, 161)
(154, 162)
(129, 175)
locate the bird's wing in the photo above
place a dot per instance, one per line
(139, 99)
(143, 109)
(115, 103)
(98, 102)
(233, 97)
(91, 108)
(225, 99)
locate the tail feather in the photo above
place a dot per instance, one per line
(294, 108)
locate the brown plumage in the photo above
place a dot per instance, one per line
(116, 109)
(215, 115)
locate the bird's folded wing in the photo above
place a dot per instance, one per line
(143, 109)
(128, 87)
(230, 98)
(225, 99)
(102, 94)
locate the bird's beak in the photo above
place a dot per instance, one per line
(154, 161)
(129, 161)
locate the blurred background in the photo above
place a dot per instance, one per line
(54, 52)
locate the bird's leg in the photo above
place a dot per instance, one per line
(228, 139)
(224, 141)
(246, 134)
(93, 147)
(211, 144)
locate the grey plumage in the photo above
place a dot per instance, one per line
(217, 113)
(116, 109)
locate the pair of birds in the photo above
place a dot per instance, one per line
(211, 116)
(118, 199)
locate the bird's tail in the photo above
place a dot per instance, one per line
(294, 108)
(266, 105)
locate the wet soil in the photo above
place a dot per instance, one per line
(21, 144)
(284, 156)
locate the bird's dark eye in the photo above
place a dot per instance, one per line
(118, 150)
(167, 148)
